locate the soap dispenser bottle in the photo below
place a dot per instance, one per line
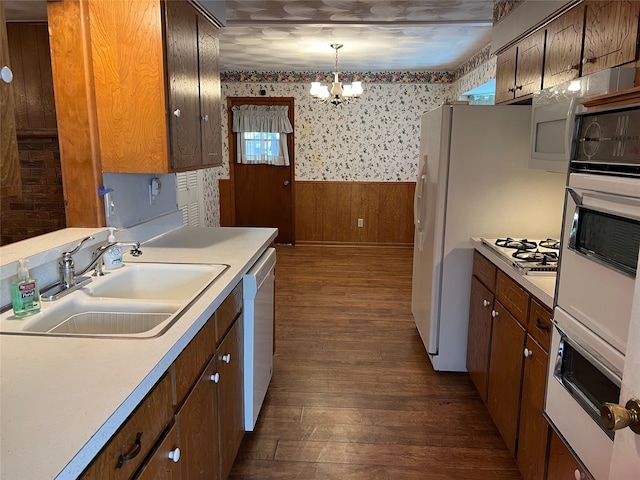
(113, 257)
(25, 295)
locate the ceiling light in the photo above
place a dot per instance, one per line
(338, 94)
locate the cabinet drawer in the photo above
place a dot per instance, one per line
(512, 296)
(189, 365)
(160, 465)
(539, 324)
(484, 270)
(146, 423)
(227, 312)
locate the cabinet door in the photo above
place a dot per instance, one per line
(198, 429)
(479, 337)
(231, 396)
(182, 71)
(610, 35)
(534, 429)
(163, 464)
(563, 50)
(210, 113)
(529, 64)
(506, 75)
(505, 374)
(562, 464)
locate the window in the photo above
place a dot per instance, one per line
(262, 147)
(261, 134)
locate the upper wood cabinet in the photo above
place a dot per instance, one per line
(563, 50)
(610, 34)
(519, 69)
(150, 114)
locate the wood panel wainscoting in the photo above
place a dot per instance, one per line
(328, 212)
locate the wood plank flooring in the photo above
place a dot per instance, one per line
(353, 394)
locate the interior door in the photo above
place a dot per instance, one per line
(263, 195)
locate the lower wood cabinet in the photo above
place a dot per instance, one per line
(479, 337)
(505, 374)
(562, 464)
(191, 424)
(533, 432)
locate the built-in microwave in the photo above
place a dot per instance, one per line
(553, 115)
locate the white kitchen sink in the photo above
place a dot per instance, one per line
(140, 300)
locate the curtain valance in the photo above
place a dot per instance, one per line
(261, 118)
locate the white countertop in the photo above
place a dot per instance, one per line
(542, 287)
(63, 398)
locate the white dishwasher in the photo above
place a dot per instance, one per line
(258, 295)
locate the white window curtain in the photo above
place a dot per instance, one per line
(261, 133)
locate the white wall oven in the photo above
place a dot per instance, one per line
(594, 293)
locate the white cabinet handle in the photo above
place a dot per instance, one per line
(494, 314)
(205, 118)
(215, 378)
(177, 112)
(175, 455)
(226, 358)
(578, 475)
(528, 353)
(485, 303)
(6, 74)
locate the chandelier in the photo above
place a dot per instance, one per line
(339, 94)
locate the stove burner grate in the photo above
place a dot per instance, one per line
(550, 243)
(543, 257)
(509, 242)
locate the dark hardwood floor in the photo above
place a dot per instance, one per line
(353, 394)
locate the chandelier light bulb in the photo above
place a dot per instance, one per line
(339, 93)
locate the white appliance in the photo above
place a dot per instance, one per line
(553, 114)
(258, 298)
(473, 181)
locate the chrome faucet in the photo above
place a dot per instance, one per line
(68, 275)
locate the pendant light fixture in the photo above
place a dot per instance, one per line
(339, 94)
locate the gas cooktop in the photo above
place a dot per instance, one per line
(530, 257)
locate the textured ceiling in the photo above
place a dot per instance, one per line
(285, 35)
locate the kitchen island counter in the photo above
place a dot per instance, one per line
(63, 398)
(540, 286)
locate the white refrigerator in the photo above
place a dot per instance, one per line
(473, 181)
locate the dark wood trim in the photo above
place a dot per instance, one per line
(37, 133)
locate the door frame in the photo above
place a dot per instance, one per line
(263, 101)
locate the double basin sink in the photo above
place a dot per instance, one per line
(139, 300)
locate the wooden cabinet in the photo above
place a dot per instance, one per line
(197, 422)
(480, 322)
(533, 430)
(198, 405)
(505, 374)
(151, 115)
(230, 395)
(519, 69)
(610, 34)
(507, 352)
(563, 49)
(562, 464)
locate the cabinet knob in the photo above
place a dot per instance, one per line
(177, 112)
(616, 417)
(512, 90)
(578, 475)
(485, 303)
(285, 183)
(518, 87)
(175, 455)
(215, 378)
(494, 314)
(6, 74)
(226, 358)
(571, 67)
(205, 118)
(528, 353)
(586, 60)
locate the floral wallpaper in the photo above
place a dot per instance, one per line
(476, 77)
(365, 77)
(502, 8)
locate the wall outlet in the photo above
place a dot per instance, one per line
(360, 222)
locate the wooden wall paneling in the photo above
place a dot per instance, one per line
(329, 206)
(343, 219)
(226, 204)
(46, 77)
(10, 166)
(396, 214)
(370, 208)
(356, 212)
(31, 70)
(126, 47)
(14, 39)
(76, 112)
